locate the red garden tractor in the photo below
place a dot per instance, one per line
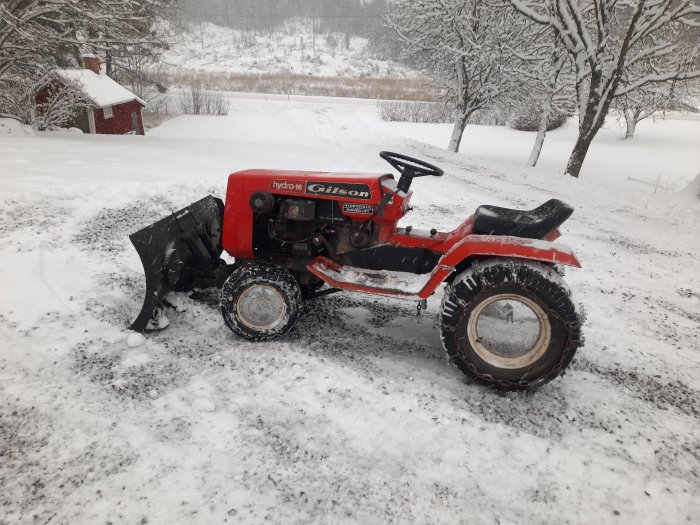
(507, 317)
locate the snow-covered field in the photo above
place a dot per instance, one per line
(355, 417)
(291, 49)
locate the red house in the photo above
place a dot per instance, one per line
(115, 110)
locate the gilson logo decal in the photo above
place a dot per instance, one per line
(341, 189)
(287, 185)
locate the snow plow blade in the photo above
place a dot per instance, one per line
(178, 253)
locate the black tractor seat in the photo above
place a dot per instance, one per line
(532, 224)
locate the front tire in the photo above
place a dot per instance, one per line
(260, 302)
(510, 324)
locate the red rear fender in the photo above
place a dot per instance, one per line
(505, 247)
(515, 247)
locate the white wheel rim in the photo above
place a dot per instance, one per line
(498, 360)
(261, 307)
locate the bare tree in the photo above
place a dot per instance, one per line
(466, 43)
(38, 35)
(605, 38)
(199, 100)
(653, 100)
(546, 86)
(550, 88)
(138, 71)
(38, 31)
(643, 103)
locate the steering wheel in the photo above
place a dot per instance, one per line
(409, 168)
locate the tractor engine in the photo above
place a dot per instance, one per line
(303, 228)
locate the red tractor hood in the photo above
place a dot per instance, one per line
(358, 187)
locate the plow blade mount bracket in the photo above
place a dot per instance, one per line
(176, 251)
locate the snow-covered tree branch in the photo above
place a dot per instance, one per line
(466, 43)
(36, 35)
(607, 38)
(547, 86)
(652, 100)
(32, 31)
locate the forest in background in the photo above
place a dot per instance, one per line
(354, 17)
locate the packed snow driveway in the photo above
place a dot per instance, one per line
(355, 416)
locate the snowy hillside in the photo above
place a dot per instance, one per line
(355, 417)
(290, 49)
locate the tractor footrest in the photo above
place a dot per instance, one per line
(370, 281)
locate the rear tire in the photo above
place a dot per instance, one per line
(260, 302)
(535, 286)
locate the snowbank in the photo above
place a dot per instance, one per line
(10, 126)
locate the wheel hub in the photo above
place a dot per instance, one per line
(509, 331)
(261, 307)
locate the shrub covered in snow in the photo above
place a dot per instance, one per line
(297, 84)
(528, 119)
(438, 113)
(410, 111)
(198, 100)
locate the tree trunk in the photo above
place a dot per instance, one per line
(109, 70)
(631, 119)
(558, 61)
(463, 112)
(542, 131)
(592, 120)
(578, 155)
(458, 131)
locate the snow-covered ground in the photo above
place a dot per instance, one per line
(355, 417)
(290, 49)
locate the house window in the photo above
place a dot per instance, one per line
(107, 111)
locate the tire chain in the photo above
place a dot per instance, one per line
(571, 346)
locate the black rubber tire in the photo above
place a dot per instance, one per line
(537, 282)
(260, 274)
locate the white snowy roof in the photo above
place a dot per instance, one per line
(100, 89)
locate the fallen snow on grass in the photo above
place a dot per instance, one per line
(356, 415)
